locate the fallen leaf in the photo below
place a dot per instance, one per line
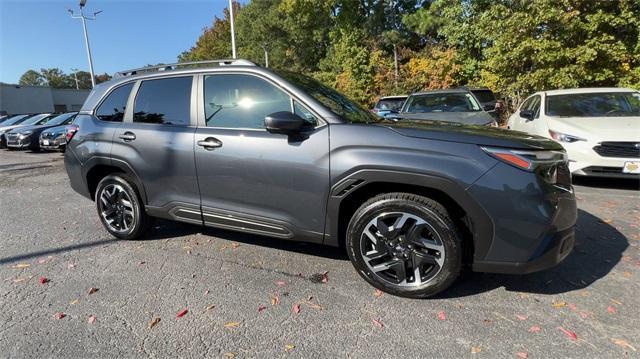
(559, 304)
(572, 306)
(74, 302)
(21, 265)
(261, 308)
(235, 245)
(71, 266)
(378, 293)
(206, 292)
(154, 322)
(535, 329)
(616, 302)
(521, 317)
(378, 323)
(18, 280)
(611, 309)
(571, 335)
(209, 307)
(626, 274)
(229, 355)
(92, 319)
(275, 300)
(584, 315)
(92, 290)
(289, 347)
(60, 315)
(475, 350)
(182, 313)
(442, 315)
(606, 221)
(142, 262)
(324, 278)
(281, 283)
(296, 308)
(43, 280)
(42, 261)
(523, 355)
(623, 343)
(232, 324)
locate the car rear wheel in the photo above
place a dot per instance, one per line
(120, 208)
(405, 244)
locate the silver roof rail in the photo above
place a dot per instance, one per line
(168, 67)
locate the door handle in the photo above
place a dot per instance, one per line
(210, 143)
(127, 136)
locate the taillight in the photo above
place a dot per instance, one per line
(71, 131)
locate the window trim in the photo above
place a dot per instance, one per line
(200, 100)
(128, 115)
(94, 113)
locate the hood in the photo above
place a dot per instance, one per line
(598, 129)
(9, 128)
(467, 118)
(479, 135)
(57, 130)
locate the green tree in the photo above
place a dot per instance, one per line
(32, 78)
(103, 78)
(215, 41)
(56, 78)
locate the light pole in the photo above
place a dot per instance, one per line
(86, 35)
(75, 76)
(233, 34)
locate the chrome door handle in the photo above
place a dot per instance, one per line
(128, 136)
(210, 143)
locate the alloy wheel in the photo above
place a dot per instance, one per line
(402, 249)
(116, 208)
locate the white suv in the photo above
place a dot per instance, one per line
(599, 127)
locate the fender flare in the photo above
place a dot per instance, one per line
(481, 224)
(121, 165)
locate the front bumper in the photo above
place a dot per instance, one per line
(533, 221)
(52, 144)
(585, 161)
(18, 142)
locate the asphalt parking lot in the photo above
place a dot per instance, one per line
(69, 290)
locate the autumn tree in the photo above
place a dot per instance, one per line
(32, 78)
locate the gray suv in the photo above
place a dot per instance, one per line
(232, 145)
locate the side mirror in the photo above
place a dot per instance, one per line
(284, 122)
(527, 114)
(391, 115)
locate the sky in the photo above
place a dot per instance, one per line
(127, 34)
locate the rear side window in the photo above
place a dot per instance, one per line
(112, 108)
(164, 101)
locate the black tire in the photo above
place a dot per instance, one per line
(433, 219)
(141, 222)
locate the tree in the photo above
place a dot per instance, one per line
(56, 78)
(32, 78)
(103, 78)
(215, 41)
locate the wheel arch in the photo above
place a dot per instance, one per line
(350, 192)
(97, 168)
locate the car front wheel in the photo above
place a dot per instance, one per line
(120, 208)
(405, 244)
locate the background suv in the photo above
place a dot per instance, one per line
(274, 153)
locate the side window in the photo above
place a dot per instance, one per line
(241, 101)
(164, 101)
(535, 107)
(301, 111)
(112, 108)
(526, 104)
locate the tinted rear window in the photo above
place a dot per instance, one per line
(165, 101)
(113, 107)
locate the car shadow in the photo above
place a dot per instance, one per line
(611, 183)
(599, 247)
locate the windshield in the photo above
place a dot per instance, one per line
(443, 102)
(332, 99)
(37, 119)
(612, 104)
(392, 104)
(484, 95)
(15, 120)
(61, 119)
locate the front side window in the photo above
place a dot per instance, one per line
(63, 119)
(113, 107)
(390, 104)
(535, 106)
(612, 104)
(443, 102)
(164, 101)
(241, 101)
(38, 119)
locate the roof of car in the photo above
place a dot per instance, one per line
(393, 97)
(455, 90)
(588, 90)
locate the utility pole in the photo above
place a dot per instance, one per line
(86, 35)
(75, 76)
(266, 56)
(233, 34)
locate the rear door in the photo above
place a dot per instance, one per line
(156, 140)
(253, 180)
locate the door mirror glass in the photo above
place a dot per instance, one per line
(284, 122)
(527, 114)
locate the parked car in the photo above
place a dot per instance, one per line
(37, 119)
(453, 105)
(55, 138)
(246, 148)
(29, 136)
(599, 127)
(10, 124)
(487, 100)
(388, 104)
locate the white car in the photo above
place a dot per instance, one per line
(599, 127)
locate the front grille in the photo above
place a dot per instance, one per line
(618, 149)
(603, 170)
(12, 137)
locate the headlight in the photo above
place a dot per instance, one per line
(563, 137)
(26, 133)
(526, 160)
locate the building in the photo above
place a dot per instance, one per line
(16, 99)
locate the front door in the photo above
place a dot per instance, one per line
(253, 180)
(156, 139)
